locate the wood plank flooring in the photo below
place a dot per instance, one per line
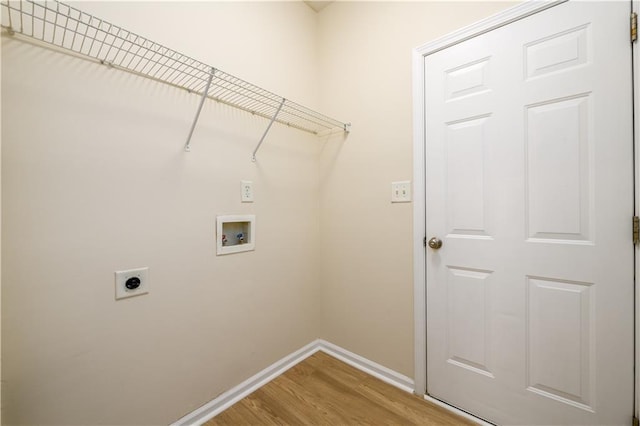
(322, 390)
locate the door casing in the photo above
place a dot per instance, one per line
(419, 172)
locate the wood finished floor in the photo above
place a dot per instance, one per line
(322, 390)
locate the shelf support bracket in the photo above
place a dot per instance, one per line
(264, 135)
(187, 146)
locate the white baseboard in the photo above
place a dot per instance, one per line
(389, 376)
(230, 397)
(376, 370)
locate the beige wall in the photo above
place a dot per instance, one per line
(95, 179)
(0, 234)
(365, 76)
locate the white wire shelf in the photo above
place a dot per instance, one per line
(65, 27)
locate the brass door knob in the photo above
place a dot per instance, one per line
(435, 243)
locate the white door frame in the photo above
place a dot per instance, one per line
(636, 166)
(419, 172)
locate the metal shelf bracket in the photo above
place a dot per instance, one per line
(187, 146)
(264, 135)
(60, 26)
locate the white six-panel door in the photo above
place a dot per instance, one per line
(529, 185)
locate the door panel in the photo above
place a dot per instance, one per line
(529, 179)
(560, 326)
(558, 169)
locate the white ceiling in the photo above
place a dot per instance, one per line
(317, 5)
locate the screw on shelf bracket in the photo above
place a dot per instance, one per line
(264, 135)
(187, 147)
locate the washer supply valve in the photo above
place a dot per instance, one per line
(240, 238)
(224, 240)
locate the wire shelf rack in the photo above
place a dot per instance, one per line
(58, 24)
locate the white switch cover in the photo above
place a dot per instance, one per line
(139, 277)
(246, 188)
(401, 192)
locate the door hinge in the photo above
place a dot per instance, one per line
(424, 241)
(634, 27)
(636, 230)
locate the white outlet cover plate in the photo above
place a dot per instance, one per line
(122, 291)
(401, 191)
(246, 191)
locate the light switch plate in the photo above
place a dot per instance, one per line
(246, 188)
(401, 191)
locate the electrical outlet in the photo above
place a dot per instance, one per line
(132, 282)
(246, 188)
(401, 192)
